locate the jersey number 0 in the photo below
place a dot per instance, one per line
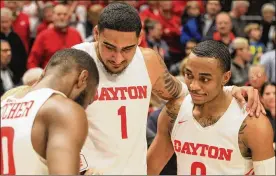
(7, 160)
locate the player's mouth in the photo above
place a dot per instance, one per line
(196, 96)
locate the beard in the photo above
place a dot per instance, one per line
(80, 98)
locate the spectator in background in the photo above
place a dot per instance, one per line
(240, 63)
(51, 40)
(239, 8)
(154, 39)
(174, 69)
(171, 33)
(268, 100)
(268, 60)
(19, 55)
(31, 76)
(201, 27)
(191, 11)
(6, 74)
(30, 8)
(224, 32)
(257, 76)
(92, 20)
(21, 24)
(253, 31)
(152, 12)
(268, 25)
(47, 14)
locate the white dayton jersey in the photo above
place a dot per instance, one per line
(116, 142)
(17, 118)
(211, 150)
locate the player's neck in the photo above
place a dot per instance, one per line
(213, 110)
(54, 82)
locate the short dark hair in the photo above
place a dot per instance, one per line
(265, 85)
(65, 60)
(214, 49)
(120, 16)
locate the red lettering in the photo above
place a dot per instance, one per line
(142, 92)
(96, 96)
(225, 154)
(13, 110)
(4, 111)
(104, 95)
(204, 147)
(213, 152)
(194, 147)
(114, 93)
(177, 145)
(132, 92)
(122, 90)
(186, 148)
(19, 111)
(27, 108)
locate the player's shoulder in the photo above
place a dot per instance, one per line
(257, 125)
(15, 91)
(60, 108)
(148, 53)
(85, 46)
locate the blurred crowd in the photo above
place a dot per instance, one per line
(32, 31)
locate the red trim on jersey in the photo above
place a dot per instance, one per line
(249, 172)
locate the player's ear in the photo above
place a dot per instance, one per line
(226, 77)
(83, 79)
(140, 38)
(96, 33)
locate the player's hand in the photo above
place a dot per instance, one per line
(93, 172)
(254, 105)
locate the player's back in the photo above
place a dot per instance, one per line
(117, 118)
(17, 117)
(211, 150)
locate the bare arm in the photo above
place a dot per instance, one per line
(67, 131)
(256, 134)
(161, 149)
(164, 84)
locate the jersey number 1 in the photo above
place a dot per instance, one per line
(7, 160)
(122, 113)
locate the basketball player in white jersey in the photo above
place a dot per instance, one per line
(116, 141)
(208, 130)
(43, 127)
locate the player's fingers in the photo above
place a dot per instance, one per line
(239, 97)
(262, 108)
(259, 108)
(255, 102)
(250, 96)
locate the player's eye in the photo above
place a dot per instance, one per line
(188, 75)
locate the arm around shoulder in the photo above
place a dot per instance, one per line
(259, 138)
(67, 131)
(164, 84)
(161, 149)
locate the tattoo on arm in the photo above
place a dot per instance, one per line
(245, 151)
(172, 112)
(172, 85)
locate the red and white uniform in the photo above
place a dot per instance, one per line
(117, 118)
(211, 150)
(17, 118)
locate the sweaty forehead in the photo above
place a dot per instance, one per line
(118, 38)
(203, 64)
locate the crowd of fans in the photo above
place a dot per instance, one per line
(32, 31)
